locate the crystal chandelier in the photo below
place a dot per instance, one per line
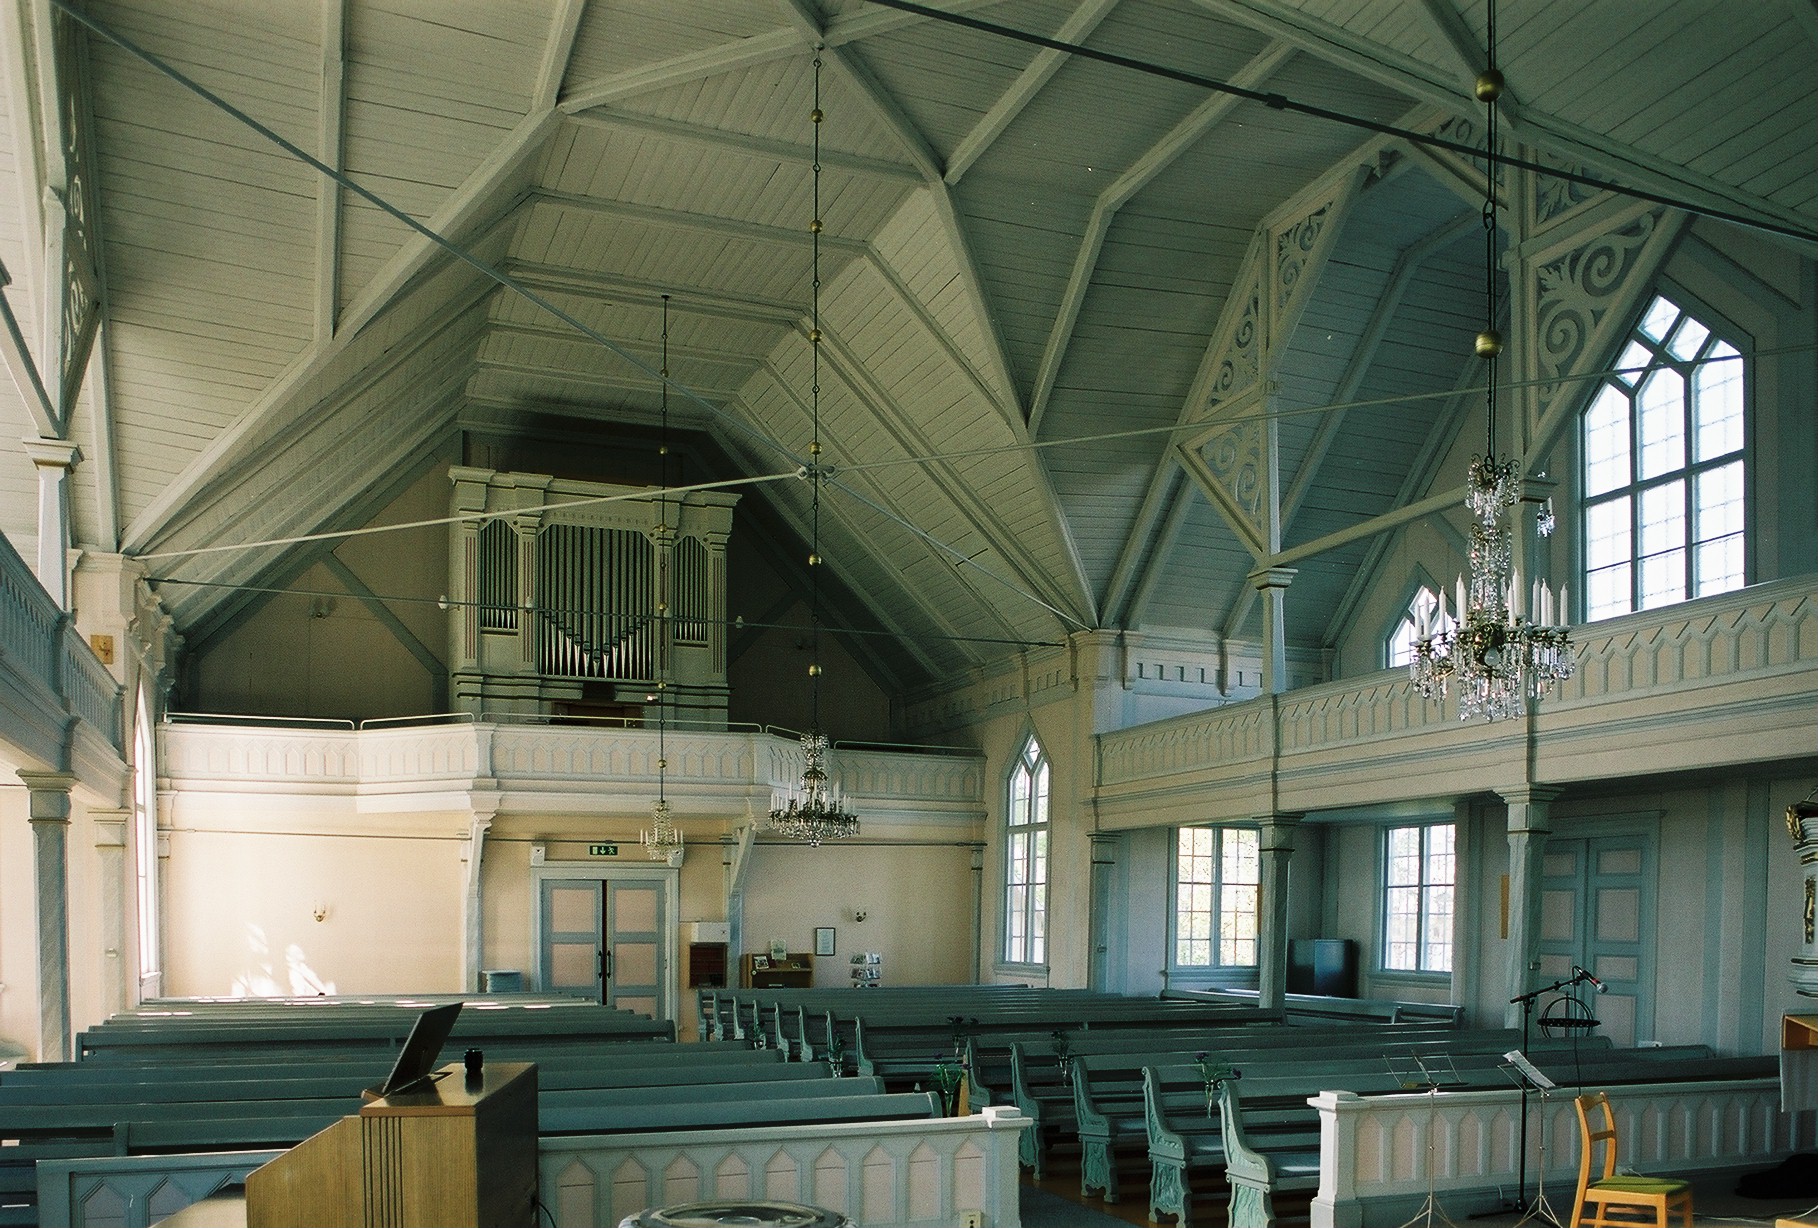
(1497, 659)
(814, 811)
(663, 839)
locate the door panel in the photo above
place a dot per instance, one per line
(572, 951)
(634, 935)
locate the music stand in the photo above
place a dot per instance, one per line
(1524, 1070)
(1528, 1075)
(1429, 1072)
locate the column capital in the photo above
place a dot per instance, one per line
(1278, 832)
(1265, 578)
(1528, 806)
(49, 795)
(110, 827)
(47, 453)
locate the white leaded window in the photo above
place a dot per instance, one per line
(1664, 478)
(1419, 878)
(1217, 894)
(1026, 858)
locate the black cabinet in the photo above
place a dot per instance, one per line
(1323, 966)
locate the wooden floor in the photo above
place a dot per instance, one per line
(1210, 1197)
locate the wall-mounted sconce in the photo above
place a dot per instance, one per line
(858, 914)
(319, 911)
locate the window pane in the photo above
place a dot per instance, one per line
(1717, 502)
(1606, 533)
(1660, 317)
(1633, 362)
(1608, 592)
(1606, 442)
(1717, 406)
(1663, 561)
(1688, 340)
(1660, 405)
(1243, 863)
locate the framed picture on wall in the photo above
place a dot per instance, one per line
(823, 940)
(760, 963)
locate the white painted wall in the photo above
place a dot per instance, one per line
(243, 883)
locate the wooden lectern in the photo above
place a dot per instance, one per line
(455, 1152)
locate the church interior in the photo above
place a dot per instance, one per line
(1235, 502)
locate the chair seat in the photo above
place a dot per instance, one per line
(1641, 1185)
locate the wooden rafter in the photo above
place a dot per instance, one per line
(1076, 29)
(1157, 159)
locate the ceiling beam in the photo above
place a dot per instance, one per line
(1190, 459)
(331, 122)
(889, 496)
(460, 213)
(1179, 502)
(690, 300)
(1138, 551)
(953, 486)
(926, 161)
(457, 307)
(564, 26)
(1163, 154)
(677, 219)
(758, 146)
(625, 382)
(1030, 82)
(778, 44)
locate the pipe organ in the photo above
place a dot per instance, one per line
(560, 591)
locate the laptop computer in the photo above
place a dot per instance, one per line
(417, 1059)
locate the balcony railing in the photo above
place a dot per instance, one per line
(50, 674)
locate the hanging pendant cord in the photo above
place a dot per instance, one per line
(1489, 87)
(665, 545)
(814, 445)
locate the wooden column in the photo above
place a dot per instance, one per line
(50, 861)
(1528, 832)
(1277, 847)
(110, 848)
(1272, 583)
(54, 459)
(473, 944)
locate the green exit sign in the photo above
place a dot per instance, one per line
(602, 850)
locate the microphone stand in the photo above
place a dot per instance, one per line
(1527, 1000)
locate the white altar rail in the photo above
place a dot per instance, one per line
(1377, 1154)
(880, 1174)
(907, 1173)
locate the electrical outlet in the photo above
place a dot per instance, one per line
(972, 1219)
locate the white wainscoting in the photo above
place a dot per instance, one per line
(1380, 1155)
(913, 1174)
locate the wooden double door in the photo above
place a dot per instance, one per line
(1597, 913)
(608, 936)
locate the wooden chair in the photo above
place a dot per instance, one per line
(1619, 1200)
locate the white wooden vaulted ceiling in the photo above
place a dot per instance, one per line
(1022, 247)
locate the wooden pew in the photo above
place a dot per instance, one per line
(1109, 1110)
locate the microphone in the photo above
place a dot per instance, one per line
(1584, 975)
